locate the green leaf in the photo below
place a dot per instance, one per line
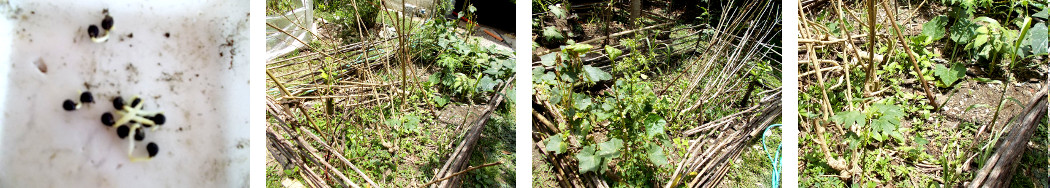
(980, 40)
(596, 74)
(656, 155)
(1042, 14)
(411, 122)
(556, 144)
(1037, 39)
(440, 101)
(891, 111)
(849, 118)
(549, 59)
(949, 76)
(552, 34)
(486, 83)
(934, 29)
(557, 11)
(613, 52)
(588, 161)
(579, 48)
(963, 31)
(581, 101)
(654, 125)
(610, 149)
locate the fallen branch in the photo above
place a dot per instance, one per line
(461, 172)
(999, 168)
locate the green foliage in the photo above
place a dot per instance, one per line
(934, 30)
(346, 16)
(406, 123)
(556, 144)
(466, 69)
(613, 52)
(637, 130)
(948, 76)
(558, 12)
(552, 34)
(990, 36)
(592, 159)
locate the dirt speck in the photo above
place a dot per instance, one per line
(167, 35)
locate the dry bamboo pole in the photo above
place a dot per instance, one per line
(460, 156)
(997, 172)
(911, 56)
(461, 172)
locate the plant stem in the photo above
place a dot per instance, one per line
(911, 56)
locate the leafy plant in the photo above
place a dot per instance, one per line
(948, 76)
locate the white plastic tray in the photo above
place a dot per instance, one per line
(197, 75)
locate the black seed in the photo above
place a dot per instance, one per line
(107, 23)
(93, 31)
(107, 119)
(166, 35)
(159, 119)
(152, 149)
(139, 134)
(86, 97)
(122, 131)
(118, 103)
(69, 105)
(135, 102)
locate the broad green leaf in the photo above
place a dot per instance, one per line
(1042, 14)
(613, 52)
(849, 118)
(552, 34)
(656, 155)
(1037, 39)
(549, 59)
(579, 48)
(556, 144)
(486, 84)
(588, 161)
(889, 110)
(980, 40)
(934, 29)
(411, 122)
(654, 125)
(581, 101)
(963, 31)
(596, 74)
(557, 11)
(949, 75)
(440, 101)
(610, 149)
(494, 68)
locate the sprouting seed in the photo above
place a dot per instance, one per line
(135, 102)
(152, 149)
(118, 103)
(97, 35)
(140, 134)
(122, 131)
(86, 97)
(93, 31)
(107, 119)
(158, 119)
(69, 105)
(107, 23)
